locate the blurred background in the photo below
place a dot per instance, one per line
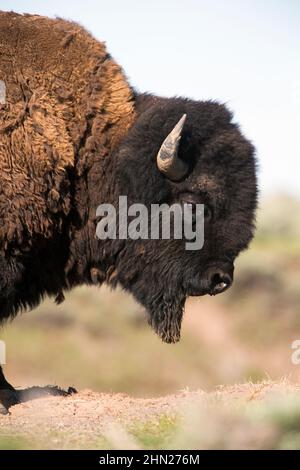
(247, 55)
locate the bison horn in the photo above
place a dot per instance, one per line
(168, 161)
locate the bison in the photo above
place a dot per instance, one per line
(74, 134)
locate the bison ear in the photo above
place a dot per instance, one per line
(167, 158)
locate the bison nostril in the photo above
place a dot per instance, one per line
(220, 282)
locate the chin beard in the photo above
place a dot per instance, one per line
(165, 318)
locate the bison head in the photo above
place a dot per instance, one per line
(181, 151)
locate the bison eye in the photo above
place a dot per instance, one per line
(207, 213)
(207, 210)
(192, 200)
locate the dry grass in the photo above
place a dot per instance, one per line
(246, 416)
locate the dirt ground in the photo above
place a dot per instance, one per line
(94, 420)
(87, 416)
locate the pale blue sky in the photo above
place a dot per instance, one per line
(243, 52)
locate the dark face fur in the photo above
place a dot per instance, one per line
(161, 274)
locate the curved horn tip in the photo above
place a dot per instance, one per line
(167, 158)
(182, 119)
(177, 129)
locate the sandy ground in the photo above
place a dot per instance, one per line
(87, 419)
(88, 412)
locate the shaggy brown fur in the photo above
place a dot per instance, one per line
(65, 97)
